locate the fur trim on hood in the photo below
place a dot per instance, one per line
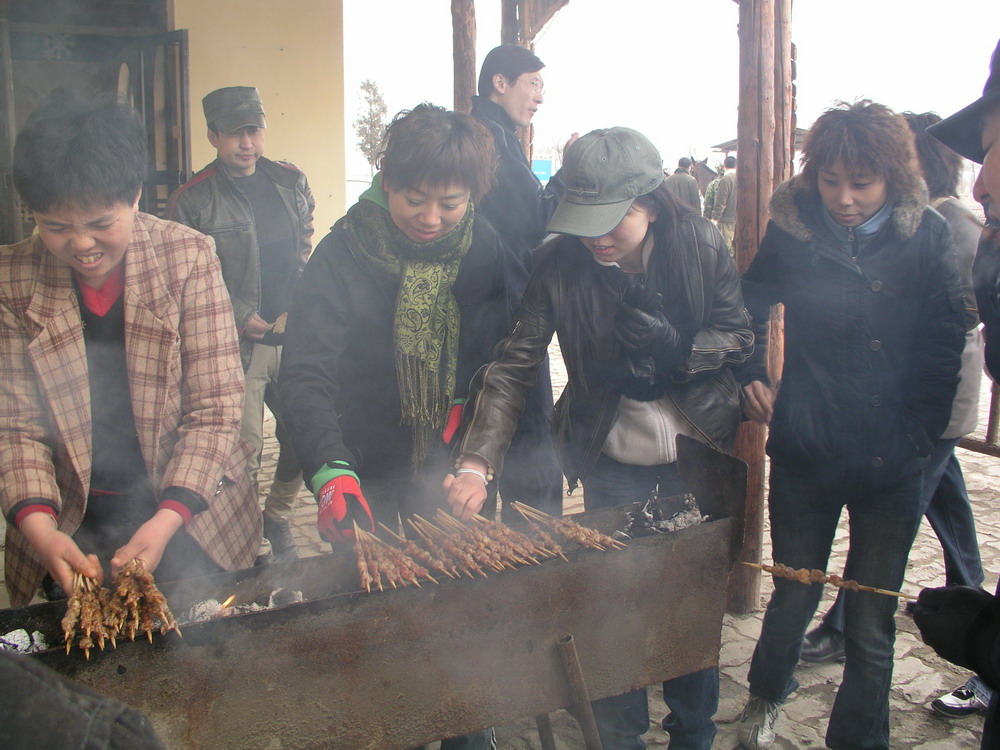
(786, 209)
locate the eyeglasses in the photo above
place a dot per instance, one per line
(537, 85)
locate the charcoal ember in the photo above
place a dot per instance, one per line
(661, 515)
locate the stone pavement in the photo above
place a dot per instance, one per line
(919, 674)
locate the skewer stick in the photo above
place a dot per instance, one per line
(872, 589)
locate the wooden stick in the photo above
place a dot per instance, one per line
(872, 589)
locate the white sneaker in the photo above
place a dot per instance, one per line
(958, 703)
(756, 723)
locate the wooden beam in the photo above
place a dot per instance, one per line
(463, 27)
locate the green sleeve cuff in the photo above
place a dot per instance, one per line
(458, 401)
(331, 470)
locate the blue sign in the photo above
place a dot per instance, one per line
(542, 169)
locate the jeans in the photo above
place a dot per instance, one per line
(947, 507)
(692, 699)
(804, 513)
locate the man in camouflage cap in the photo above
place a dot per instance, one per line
(260, 214)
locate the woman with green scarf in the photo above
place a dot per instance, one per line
(396, 309)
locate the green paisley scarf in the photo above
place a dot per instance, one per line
(426, 324)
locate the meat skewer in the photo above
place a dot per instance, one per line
(411, 548)
(571, 529)
(804, 575)
(429, 531)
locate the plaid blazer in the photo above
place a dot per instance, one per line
(185, 382)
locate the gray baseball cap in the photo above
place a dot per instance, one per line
(962, 132)
(234, 107)
(604, 172)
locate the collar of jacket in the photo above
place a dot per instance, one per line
(281, 173)
(863, 233)
(796, 207)
(489, 109)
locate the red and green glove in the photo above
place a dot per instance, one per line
(341, 503)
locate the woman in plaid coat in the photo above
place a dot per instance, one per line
(120, 381)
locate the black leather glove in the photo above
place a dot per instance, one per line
(961, 624)
(650, 333)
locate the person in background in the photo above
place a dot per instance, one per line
(120, 385)
(710, 192)
(683, 186)
(519, 206)
(646, 302)
(398, 307)
(724, 205)
(260, 214)
(962, 623)
(874, 329)
(946, 500)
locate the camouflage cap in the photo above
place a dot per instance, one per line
(233, 107)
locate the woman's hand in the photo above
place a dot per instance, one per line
(149, 540)
(60, 554)
(758, 402)
(467, 490)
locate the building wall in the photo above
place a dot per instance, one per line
(293, 53)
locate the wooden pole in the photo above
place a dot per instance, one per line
(463, 29)
(755, 135)
(510, 24)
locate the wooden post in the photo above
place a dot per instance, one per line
(463, 29)
(755, 136)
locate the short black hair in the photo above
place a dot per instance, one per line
(91, 152)
(729, 162)
(684, 162)
(510, 61)
(437, 148)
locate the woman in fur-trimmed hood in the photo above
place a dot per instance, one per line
(874, 328)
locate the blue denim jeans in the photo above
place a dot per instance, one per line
(804, 514)
(947, 508)
(692, 699)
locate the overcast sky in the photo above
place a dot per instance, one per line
(669, 68)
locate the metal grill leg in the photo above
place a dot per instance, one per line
(578, 693)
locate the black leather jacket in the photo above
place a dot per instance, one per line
(573, 295)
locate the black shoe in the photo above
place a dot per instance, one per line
(266, 559)
(823, 644)
(279, 534)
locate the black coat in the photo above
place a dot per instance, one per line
(571, 294)
(872, 346)
(517, 204)
(338, 372)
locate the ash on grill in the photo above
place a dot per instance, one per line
(213, 609)
(662, 515)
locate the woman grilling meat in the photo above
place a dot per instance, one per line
(874, 330)
(396, 309)
(646, 302)
(121, 389)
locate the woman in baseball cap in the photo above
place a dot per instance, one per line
(646, 302)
